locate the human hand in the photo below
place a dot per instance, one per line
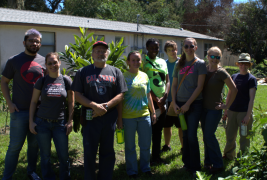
(69, 126)
(176, 108)
(246, 120)
(162, 100)
(99, 110)
(12, 108)
(119, 124)
(220, 106)
(153, 118)
(184, 108)
(32, 126)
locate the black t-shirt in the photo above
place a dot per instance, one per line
(99, 85)
(53, 96)
(25, 70)
(243, 84)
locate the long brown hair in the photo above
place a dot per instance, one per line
(182, 60)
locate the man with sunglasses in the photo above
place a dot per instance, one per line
(25, 69)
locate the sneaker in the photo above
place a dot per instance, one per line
(133, 176)
(157, 161)
(34, 176)
(166, 148)
(207, 167)
(149, 173)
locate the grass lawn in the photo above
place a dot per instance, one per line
(174, 157)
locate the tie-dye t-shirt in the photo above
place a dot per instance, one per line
(190, 82)
(156, 74)
(135, 102)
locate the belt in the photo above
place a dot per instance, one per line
(49, 120)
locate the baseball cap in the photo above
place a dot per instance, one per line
(100, 43)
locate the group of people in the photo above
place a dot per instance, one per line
(138, 100)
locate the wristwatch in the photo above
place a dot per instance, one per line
(106, 106)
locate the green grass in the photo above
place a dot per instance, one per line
(166, 172)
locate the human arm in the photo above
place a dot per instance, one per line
(252, 93)
(151, 108)
(69, 124)
(6, 93)
(35, 97)
(119, 121)
(162, 100)
(230, 96)
(174, 93)
(197, 91)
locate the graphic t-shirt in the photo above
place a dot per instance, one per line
(243, 84)
(190, 82)
(135, 102)
(170, 71)
(99, 85)
(156, 74)
(53, 96)
(212, 91)
(25, 70)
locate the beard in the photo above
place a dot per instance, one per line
(32, 49)
(100, 59)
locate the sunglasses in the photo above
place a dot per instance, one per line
(213, 57)
(191, 46)
(54, 63)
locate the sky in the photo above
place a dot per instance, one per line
(240, 1)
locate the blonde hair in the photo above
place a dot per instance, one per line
(215, 49)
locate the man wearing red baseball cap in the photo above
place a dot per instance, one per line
(99, 87)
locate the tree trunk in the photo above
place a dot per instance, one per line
(15, 4)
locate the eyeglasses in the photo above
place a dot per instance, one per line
(191, 46)
(53, 63)
(34, 41)
(213, 57)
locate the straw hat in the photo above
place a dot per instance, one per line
(244, 58)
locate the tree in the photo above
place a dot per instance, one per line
(248, 30)
(15, 4)
(36, 5)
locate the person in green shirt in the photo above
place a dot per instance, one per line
(157, 71)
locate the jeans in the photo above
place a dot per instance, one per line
(191, 154)
(143, 127)
(45, 132)
(157, 133)
(99, 132)
(209, 123)
(19, 130)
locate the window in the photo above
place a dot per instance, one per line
(206, 48)
(99, 37)
(118, 38)
(182, 44)
(48, 43)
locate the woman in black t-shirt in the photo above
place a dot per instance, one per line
(50, 121)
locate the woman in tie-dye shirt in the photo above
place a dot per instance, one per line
(134, 116)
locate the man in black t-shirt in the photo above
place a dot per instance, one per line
(25, 69)
(99, 88)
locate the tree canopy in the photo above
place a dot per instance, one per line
(248, 30)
